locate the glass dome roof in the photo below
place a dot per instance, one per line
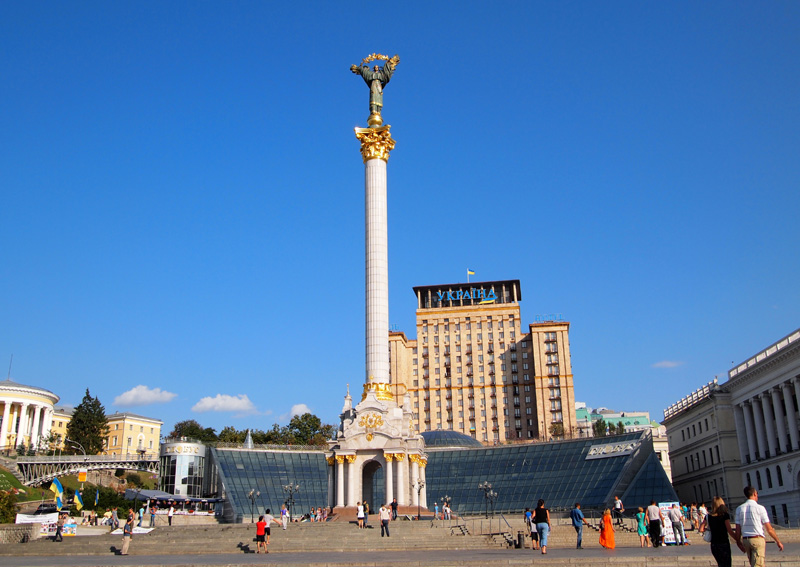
(450, 439)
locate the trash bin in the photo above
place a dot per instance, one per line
(520, 540)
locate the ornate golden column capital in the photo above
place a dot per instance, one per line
(399, 456)
(382, 391)
(340, 459)
(376, 143)
(389, 457)
(330, 460)
(350, 458)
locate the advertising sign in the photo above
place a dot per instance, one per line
(48, 522)
(666, 530)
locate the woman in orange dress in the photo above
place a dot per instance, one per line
(607, 531)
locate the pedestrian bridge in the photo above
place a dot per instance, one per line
(39, 469)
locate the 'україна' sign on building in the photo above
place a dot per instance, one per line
(607, 450)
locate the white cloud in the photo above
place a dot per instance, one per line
(142, 396)
(299, 409)
(668, 364)
(240, 404)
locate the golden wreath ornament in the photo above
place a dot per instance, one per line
(370, 422)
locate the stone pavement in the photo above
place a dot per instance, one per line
(620, 557)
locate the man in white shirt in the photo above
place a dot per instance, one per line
(676, 518)
(751, 522)
(655, 519)
(385, 516)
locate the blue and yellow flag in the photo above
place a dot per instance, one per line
(470, 272)
(57, 490)
(97, 497)
(78, 501)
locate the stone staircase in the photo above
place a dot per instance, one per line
(238, 538)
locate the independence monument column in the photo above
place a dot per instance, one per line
(376, 143)
(377, 433)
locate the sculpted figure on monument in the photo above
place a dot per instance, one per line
(376, 78)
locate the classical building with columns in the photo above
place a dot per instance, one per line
(764, 392)
(745, 431)
(27, 414)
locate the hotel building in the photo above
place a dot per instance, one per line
(474, 369)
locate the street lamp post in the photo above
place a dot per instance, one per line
(291, 490)
(487, 490)
(79, 446)
(252, 495)
(419, 484)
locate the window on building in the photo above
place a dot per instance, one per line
(769, 479)
(780, 475)
(758, 480)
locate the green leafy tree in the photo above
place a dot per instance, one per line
(134, 479)
(230, 434)
(193, 430)
(88, 426)
(556, 429)
(599, 428)
(304, 427)
(612, 429)
(620, 428)
(8, 507)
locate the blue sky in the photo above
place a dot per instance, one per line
(181, 193)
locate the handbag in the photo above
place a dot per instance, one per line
(707, 536)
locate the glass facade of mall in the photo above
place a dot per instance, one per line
(590, 471)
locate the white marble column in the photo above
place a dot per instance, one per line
(351, 484)
(23, 424)
(331, 480)
(5, 430)
(424, 496)
(791, 415)
(758, 420)
(48, 422)
(377, 276)
(37, 416)
(340, 481)
(769, 422)
(414, 482)
(738, 419)
(389, 478)
(750, 431)
(780, 419)
(402, 481)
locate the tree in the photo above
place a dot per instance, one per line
(556, 430)
(612, 429)
(620, 428)
(230, 434)
(599, 428)
(134, 479)
(88, 426)
(193, 430)
(8, 507)
(304, 427)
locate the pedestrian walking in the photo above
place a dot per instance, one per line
(269, 519)
(752, 521)
(284, 516)
(394, 508)
(385, 516)
(366, 514)
(141, 515)
(153, 516)
(619, 509)
(641, 528)
(115, 518)
(532, 528)
(676, 518)
(654, 522)
(718, 524)
(127, 535)
(59, 528)
(578, 520)
(542, 518)
(360, 514)
(607, 531)
(261, 532)
(170, 513)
